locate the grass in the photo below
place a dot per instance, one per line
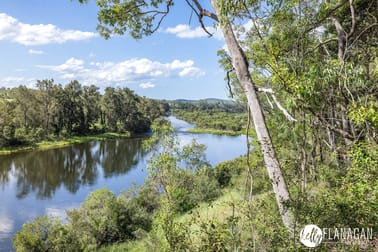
(58, 143)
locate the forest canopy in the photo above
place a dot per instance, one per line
(52, 111)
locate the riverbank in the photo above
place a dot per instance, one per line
(220, 210)
(58, 143)
(218, 123)
(215, 131)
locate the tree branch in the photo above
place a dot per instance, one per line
(279, 106)
(229, 82)
(361, 33)
(325, 123)
(353, 14)
(200, 13)
(341, 37)
(330, 13)
(164, 14)
(204, 12)
(322, 43)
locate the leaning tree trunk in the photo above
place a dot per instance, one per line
(240, 64)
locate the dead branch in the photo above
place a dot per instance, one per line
(279, 106)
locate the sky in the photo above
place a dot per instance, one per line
(58, 40)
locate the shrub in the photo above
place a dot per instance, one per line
(224, 171)
(104, 218)
(148, 197)
(45, 234)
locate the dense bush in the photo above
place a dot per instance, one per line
(223, 172)
(103, 218)
(193, 188)
(46, 234)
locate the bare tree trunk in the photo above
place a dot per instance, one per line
(240, 65)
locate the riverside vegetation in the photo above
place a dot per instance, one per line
(52, 115)
(311, 67)
(211, 116)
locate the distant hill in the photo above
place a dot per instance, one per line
(208, 104)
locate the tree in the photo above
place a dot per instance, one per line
(25, 101)
(91, 106)
(73, 107)
(110, 105)
(46, 98)
(141, 18)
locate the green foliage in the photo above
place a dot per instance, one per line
(365, 114)
(223, 172)
(45, 234)
(175, 233)
(212, 116)
(119, 17)
(216, 236)
(52, 112)
(358, 194)
(320, 60)
(103, 218)
(223, 121)
(148, 197)
(182, 173)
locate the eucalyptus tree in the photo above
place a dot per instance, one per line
(48, 102)
(143, 18)
(73, 108)
(7, 109)
(91, 105)
(110, 104)
(25, 100)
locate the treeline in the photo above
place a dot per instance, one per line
(212, 114)
(52, 111)
(209, 105)
(233, 122)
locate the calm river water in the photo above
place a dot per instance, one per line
(49, 182)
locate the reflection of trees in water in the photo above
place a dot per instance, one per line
(43, 172)
(119, 156)
(5, 169)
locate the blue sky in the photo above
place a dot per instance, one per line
(57, 39)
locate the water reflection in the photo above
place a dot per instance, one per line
(43, 172)
(49, 182)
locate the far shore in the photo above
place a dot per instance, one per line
(58, 143)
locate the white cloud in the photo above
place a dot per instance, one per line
(15, 81)
(32, 51)
(185, 31)
(6, 223)
(131, 70)
(191, 72)
(41, 34)
(71, 64)
(60, 211)
(146, 85)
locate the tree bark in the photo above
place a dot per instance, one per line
(240, 65)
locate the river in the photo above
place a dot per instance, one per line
(49, 182)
